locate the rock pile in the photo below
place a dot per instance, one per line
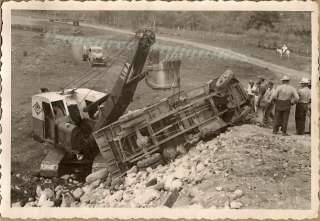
(186, 181)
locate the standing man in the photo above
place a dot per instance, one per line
(268, 103)
(302, 106)
(259, 89)
(309, 112)
(251, 93)
(285, 95)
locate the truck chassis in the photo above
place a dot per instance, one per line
(180, 119)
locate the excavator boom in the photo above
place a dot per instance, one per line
(123, 91)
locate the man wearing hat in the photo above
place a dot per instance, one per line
(284, 96)
(302, 106)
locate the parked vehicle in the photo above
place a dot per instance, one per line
(94, 55)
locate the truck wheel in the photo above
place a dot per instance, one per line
(169, 153)
(153, 159)
(224, 79)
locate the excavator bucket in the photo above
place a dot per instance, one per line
(164, 75)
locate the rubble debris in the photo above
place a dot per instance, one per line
(236, 194)
(67, 200)
(146, 197)
(158, 186)
(171, 199)
(151, 182)
(116, 182)
(65, 177)
(219, 188)
(183, 182)
(77, 193)
(236, 205)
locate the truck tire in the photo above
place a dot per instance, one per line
(154, 159)
(224, 79)
(169, 153)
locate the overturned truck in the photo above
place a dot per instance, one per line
(149, 136)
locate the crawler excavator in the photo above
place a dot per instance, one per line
(66, 119)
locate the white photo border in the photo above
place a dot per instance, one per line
(7, 211)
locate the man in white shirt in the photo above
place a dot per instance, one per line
(302, 106)
(284, 96)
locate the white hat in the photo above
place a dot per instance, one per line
(304, 81)
(285, 78)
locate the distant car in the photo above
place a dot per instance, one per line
(94, 55)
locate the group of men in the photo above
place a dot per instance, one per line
(275, 103)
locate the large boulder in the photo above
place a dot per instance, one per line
(67, 200)
(45, 198)
(236, 205)
(181, 172)
(98, 175)
(171, 183)
(77, 193)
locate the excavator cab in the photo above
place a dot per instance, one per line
(47, 108)
(52, 108)
(58, 118)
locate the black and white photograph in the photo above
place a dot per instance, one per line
(199, 110)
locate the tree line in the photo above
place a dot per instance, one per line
(234, 22)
